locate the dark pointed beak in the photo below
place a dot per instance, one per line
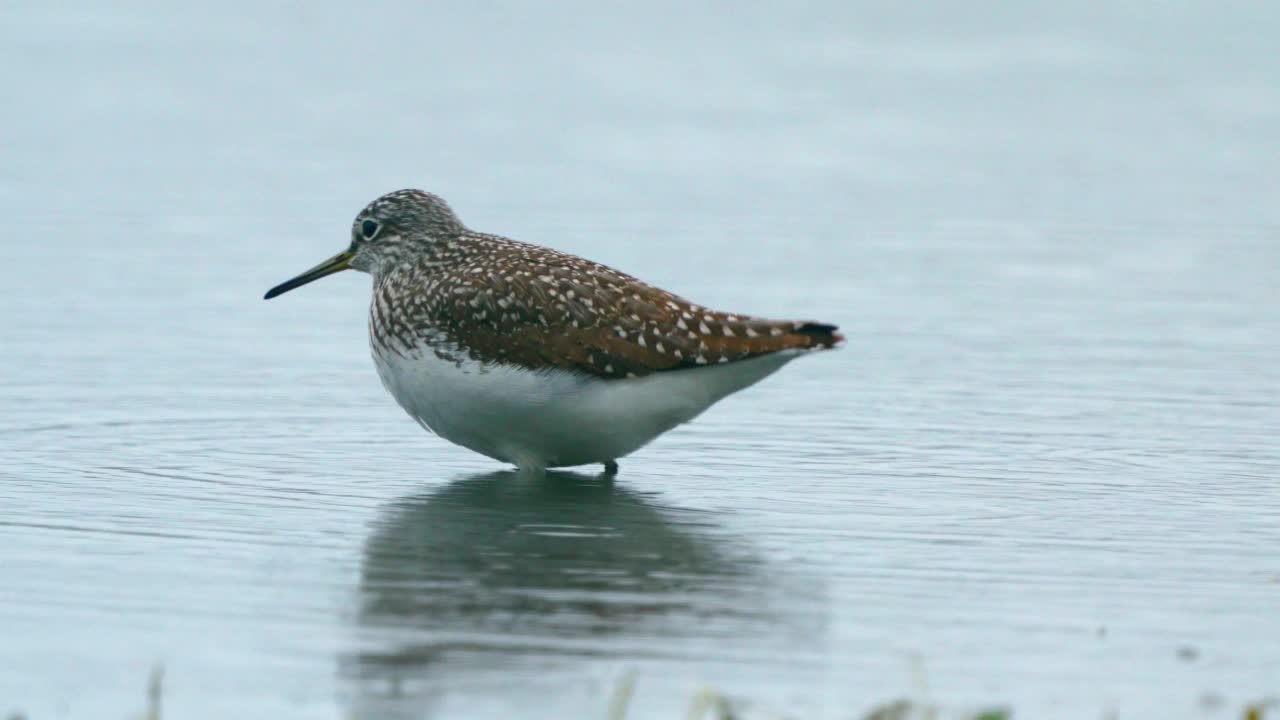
(337, 263)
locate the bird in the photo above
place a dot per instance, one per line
(536, 357)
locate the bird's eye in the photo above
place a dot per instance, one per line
(369, 228)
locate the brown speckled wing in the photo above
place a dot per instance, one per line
(548, 309)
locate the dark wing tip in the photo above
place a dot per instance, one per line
(820, 334)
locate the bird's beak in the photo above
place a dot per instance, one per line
(337, 263)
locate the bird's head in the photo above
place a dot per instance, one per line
(391, 230)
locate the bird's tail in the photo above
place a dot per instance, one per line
(819, 335)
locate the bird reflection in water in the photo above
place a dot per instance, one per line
(496, 578)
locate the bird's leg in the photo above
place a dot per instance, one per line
(529, 467)
(610, 467)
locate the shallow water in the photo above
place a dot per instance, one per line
(1042, 473)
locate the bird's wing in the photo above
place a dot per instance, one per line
(588, 318)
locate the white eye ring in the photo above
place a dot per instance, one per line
(369, 228)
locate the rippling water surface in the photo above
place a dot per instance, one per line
(1042, 474)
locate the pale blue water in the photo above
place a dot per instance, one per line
(1045, 462)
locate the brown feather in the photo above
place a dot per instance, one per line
(499, 300)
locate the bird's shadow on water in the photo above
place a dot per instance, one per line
(501, 575)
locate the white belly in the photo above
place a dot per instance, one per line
(552, 418)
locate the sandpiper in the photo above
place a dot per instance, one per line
(536, 357)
